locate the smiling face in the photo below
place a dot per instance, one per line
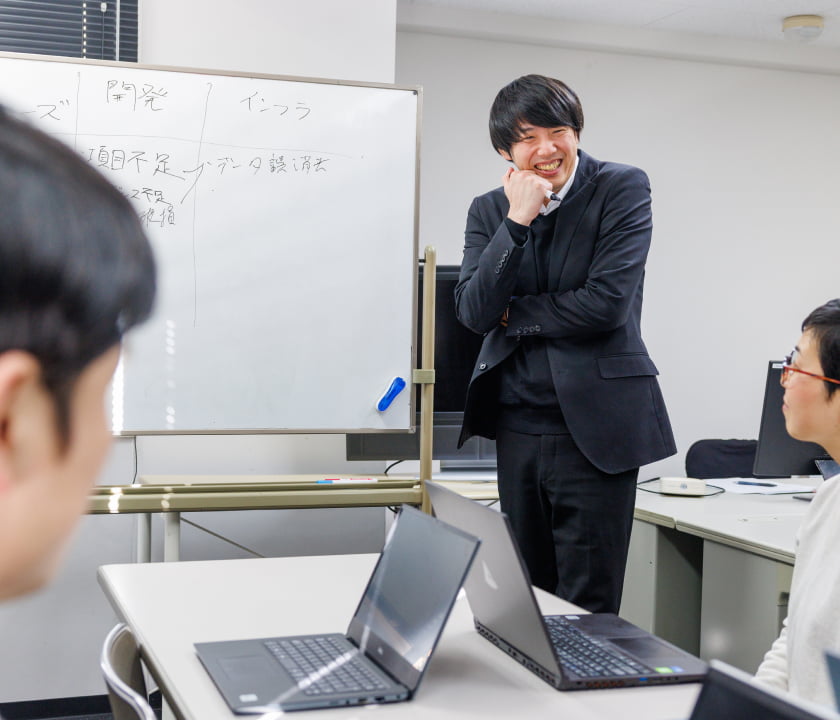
(810, 414)
(551, 153)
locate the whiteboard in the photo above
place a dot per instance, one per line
(282, 213)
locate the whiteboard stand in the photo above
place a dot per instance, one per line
(425, 375)
(143, 541)
(171, 536)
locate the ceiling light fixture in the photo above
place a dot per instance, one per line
(802, 28)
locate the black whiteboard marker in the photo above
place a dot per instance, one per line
(552, 195)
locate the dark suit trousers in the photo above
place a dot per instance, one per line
(572, 521)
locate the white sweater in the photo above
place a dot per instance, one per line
(796, 662)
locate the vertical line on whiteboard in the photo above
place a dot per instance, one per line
(195, 206)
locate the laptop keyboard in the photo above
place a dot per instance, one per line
(325, 665)
(586, 656)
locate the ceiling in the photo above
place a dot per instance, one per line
(757, 20)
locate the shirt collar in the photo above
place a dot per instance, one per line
(552, 205)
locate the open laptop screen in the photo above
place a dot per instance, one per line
(410, 594)
(730, 694)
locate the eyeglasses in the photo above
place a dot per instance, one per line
(788, 369)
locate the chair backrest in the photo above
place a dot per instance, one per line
(123, 674)
(712, 458)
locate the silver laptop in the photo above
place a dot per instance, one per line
(570, 652)
(387, 647)
(731, 694)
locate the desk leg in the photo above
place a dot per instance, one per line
(171, 536)
(143, 539)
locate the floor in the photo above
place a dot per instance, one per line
(106, 716)
(94, 707)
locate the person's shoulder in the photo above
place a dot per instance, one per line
(610, 170)
(493, 201)
(824, 505)
(491, 197)
(829, 491)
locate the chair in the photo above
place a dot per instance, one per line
(123, 674)
(712, 458)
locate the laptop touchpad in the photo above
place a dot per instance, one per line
(644, 648)
(253, 669)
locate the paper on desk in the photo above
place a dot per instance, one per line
(746, 486)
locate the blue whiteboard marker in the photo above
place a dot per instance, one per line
(396, 387)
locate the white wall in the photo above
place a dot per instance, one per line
(332, 39)
(51, 640)
(742, 157)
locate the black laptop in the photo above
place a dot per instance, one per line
(387, 647)
(570, 652)
(731, 694)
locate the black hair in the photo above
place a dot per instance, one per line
(535, 99)
(824, 326)
(76, 269)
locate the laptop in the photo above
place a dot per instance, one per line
(567, 651)
(731, 694)
(384, 653)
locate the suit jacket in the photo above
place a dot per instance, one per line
(604, 379)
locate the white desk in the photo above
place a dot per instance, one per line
(763, 524)
(217, 600)
(712, 574)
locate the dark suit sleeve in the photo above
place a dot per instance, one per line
(619, 219)
(492, 254)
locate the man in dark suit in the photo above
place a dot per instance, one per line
(552, 274)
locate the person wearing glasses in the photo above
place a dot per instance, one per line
(76, 273)
(553, 276)
(811, 406)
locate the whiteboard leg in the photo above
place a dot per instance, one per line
(143, 538)
(171, 536)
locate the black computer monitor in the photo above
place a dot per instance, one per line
(456, 349)
(778, 454)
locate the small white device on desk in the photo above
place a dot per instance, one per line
(682, 486)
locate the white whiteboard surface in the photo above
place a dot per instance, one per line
(283, 216)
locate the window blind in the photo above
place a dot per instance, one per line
(73, 28)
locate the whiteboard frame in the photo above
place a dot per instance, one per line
(418, 92)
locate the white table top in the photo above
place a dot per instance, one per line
(762, 524)
(765, 525)
(172, 605)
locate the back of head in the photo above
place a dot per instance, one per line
(824, 325)
(76, 269)
(534, 99)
